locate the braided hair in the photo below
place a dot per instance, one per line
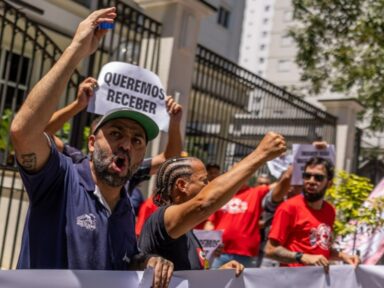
(168, 173)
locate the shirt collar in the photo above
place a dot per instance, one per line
(102, 200)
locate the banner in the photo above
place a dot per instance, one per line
(369, 245)
(302, 153)
(126, 85)
(210, 241)
(302, 277)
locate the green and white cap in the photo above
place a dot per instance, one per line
(150, 127)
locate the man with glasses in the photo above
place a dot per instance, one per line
(301, 232)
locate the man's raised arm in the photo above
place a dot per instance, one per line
(183, 217)
(174, 144)
(27, 129)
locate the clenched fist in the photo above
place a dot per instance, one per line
(271, 146)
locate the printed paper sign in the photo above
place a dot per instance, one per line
(126, 85)
(302, 153)
(279, 165)
(209, 240)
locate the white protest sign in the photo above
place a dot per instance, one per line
(209, 240)
(279, 165)
(302, 153)
(129, 86)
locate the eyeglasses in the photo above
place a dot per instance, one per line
(318, 177)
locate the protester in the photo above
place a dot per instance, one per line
(148, 167)
(271, 201)
(213, 170)
(186, 198)
(301, 232)
(145, 211)
(269, 207)
(79, 215)
(263, 179)
(239, 220)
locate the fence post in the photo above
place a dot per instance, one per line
(346, 111)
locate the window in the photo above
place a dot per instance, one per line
(264, 34)
(223, 17)
(262, 47)
(261, 60)
(265, 21)
(13, 79)
(283, 65)
(266, 8)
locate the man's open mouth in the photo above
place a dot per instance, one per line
(120, 162)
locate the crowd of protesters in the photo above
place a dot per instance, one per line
(83, 207)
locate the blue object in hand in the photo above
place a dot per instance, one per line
(106, 25)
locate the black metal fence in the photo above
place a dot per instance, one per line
(26, 54)
(231, 109)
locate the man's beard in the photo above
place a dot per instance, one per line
(102, 161)
(313, 197)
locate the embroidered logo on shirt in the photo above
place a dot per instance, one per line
(235, 206)
(87, 221)
(321, 236)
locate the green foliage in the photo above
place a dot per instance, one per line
(341, 47)
(5, 124)
(65, 133)
(349, 195)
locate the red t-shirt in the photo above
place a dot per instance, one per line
(299, 228)
(239, 220)
(145, 210)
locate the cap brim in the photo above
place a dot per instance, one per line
(150, 127)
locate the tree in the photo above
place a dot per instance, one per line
(341, 48)
(349, 195)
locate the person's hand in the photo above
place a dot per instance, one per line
(88, 35)
(233, 264)
(85, 92)
(271, 146)
(163, 270)
(174, 109)
(316, 260)
(219, 250)
(320, 144)
(350, 259)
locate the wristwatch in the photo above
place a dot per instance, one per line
(298, 257)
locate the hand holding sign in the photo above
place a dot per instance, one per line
(302, 153)
(129, 86)
(85, 92)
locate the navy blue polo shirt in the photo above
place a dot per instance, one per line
(67, 227)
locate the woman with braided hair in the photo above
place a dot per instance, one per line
(186, 198)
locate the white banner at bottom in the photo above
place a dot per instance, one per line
(305, 277)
